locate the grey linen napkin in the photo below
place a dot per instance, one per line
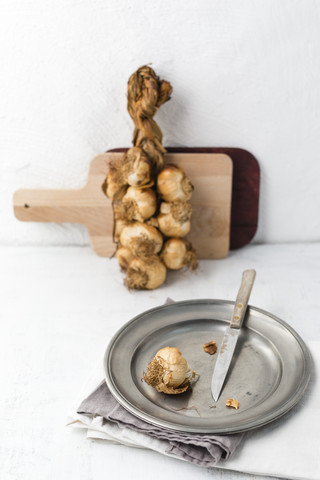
(203, 450)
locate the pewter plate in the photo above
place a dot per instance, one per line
(268, 375)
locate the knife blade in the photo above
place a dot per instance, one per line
(232, 333)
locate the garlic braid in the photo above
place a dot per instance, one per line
(146, 93)
(141, 224)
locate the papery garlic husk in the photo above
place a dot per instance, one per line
(118, 226)
(173, 185)
(168, 371)
(125, 257)
(174, 219)
(118, 221)
(137, 167)
(142, 239)
(145, 273)
(114, 186)
(178, 253)
(153, 221)
(138, 204)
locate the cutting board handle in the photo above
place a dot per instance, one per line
(50, 205)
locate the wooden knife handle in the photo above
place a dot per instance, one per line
(240, 306)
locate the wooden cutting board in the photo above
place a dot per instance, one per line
(245, 191)
(210, 173)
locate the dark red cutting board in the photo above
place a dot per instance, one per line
(245, 190)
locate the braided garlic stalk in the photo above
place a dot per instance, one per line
(150, 201)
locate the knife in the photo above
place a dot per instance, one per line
(232, 333)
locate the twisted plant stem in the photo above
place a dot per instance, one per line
(146, 93)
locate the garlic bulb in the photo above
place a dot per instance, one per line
(124, 256)
(145, 273)
(138, 204)
(119, 225)
(119, 222)
(173, 185)
(113, 186)
(142, 239)
(169, 372)
(177, 253)
(138, 167)
(174, 219)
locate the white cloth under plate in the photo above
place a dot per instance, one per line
(288, 447)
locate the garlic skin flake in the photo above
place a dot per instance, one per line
(173, 185)
(233, 403)
(168, 371)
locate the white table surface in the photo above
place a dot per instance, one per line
(58, 307)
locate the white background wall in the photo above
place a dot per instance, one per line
(245, 73)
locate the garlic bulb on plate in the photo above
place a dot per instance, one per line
(174, 219)
(145, 273)
(138, 204)
(142, 239)
(173, 185)
(168, 371)
(178, 253)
